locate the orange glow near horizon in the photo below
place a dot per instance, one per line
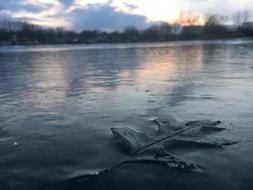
(190, 19)
(57, 13)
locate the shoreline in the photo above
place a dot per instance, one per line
(3, 44)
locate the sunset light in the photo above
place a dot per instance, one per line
(80, 14)
(126, 94)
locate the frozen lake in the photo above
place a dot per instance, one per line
(58, 103)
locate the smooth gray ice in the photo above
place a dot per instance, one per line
(59, 103)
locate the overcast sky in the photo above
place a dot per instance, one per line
(112, 14)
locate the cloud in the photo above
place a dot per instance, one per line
(40, 12)
(112, 14)
(19, 5)
(67, 2)
(104, 16)
(74, 14)
(217, 6)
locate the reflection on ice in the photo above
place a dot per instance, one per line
(59, 102)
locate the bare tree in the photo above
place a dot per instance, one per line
(216, 20)
(241, 17)
(246, 16)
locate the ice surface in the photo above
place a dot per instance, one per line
(60, 102)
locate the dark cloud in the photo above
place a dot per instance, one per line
(13, 6)
(94, 16)
(104, 16)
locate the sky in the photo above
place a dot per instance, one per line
(113, 14)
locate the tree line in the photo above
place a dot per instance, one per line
(215, 27)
